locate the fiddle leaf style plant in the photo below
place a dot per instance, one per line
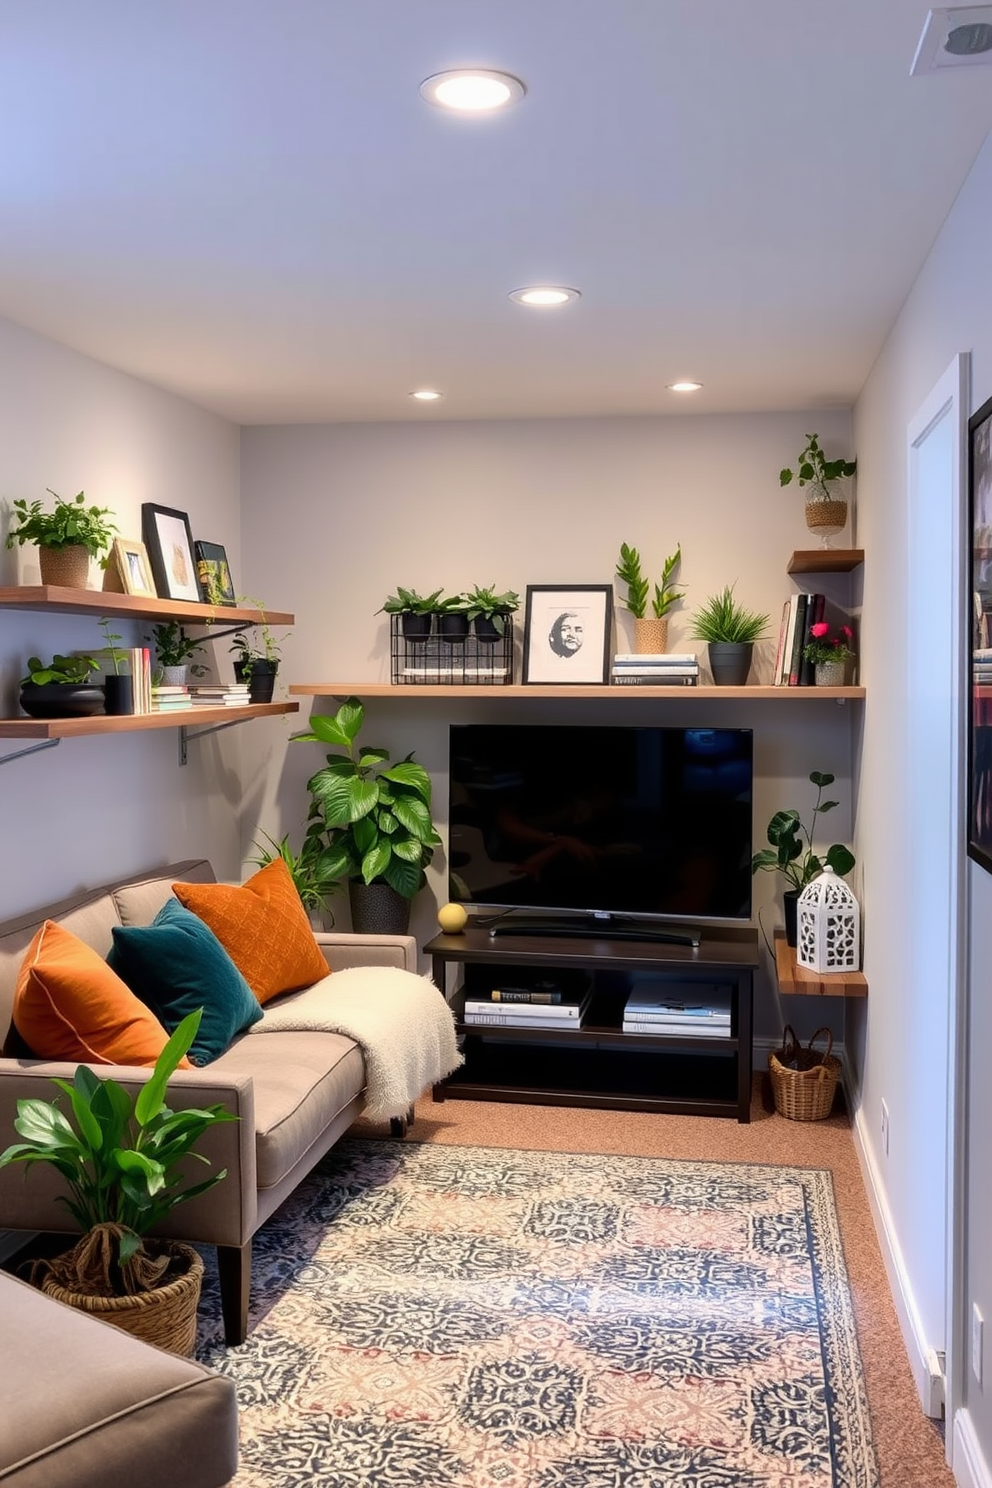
(791, 852)
(814, 470)
(71, 524)
(665, 594)
(373, 817)
(70, 669)
(122, 1159)
(721, 620)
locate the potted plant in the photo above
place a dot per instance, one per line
(791, 852)
(118, 689)
(730, 632)
(257, 655)
(122, 1158)
(175, 648)
(826, 510)
(61, 688)
(416, 612)
(488, 612)
(452, 618)
(66, 538)
(829, 653)
(650, 632)
(310, 870)
(374, 818)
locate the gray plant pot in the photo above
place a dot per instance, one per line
(730, 663)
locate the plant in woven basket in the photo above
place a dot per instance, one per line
(665, 594)
(71, 524)
(791, 852)
(122, 1159)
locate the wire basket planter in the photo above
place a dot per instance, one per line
(432, 660)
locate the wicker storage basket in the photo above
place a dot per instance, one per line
(165, 1316)
(804, 1081)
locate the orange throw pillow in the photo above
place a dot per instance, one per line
(263, 927)
(68, 1004)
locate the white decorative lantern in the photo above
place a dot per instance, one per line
(828, 925)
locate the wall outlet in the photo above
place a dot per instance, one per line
(977, 1330)
(885, 1129)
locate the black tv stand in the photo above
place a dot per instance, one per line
(593, 927)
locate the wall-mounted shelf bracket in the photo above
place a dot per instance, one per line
(218, 635)
(185, 734)
(30, 749)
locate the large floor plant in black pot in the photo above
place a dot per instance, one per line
(122, 1160)
(374, 819)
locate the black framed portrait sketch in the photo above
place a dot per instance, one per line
(567, 633)
(979, 628)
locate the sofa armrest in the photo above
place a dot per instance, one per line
(343, 949)
(226, 1215)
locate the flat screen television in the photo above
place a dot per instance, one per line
(635, 824)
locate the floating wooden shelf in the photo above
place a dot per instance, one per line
(797, 980)
(129, 723)
(628, 694)
(826, 560)
(135, 607)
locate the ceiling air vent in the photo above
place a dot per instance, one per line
(955, 36)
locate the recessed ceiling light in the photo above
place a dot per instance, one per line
(684, 387)
(472, 90)
(543, 295)
(426, 395)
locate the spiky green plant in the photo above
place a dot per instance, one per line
(722, 620)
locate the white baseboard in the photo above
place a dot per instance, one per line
(920, 1351)
(969, 1465)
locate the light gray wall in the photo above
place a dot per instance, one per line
(338, 516)
(106, 805)
(948, 311)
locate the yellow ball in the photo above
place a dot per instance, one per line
(452, 918)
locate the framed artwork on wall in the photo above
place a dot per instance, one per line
(979, 628)
(170, 548)
(214, 573)
(567, 633)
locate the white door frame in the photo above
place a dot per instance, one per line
(950, 399)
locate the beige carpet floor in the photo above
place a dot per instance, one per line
(910, 1447)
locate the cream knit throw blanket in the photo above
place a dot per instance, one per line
(401, 1022)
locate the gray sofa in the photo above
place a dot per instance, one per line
(88, 1406)
(295, 1093)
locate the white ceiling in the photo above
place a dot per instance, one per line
(248, 201)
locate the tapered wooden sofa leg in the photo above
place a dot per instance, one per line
(234, 1274)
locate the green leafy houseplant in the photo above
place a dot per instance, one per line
(73, 670)
(814, 470)
(374, 817)
(791, 852)
(665, 594)
(121, 1157)
(409, 602)
(175, 647)
(71, 524)
(721, 620)
(116, 655)
(310, 868)
(260, 645)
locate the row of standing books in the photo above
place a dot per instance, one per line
(798, 614)
(655, 669)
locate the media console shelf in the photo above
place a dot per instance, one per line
(598, 1064)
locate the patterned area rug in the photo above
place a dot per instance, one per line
(466, 1317)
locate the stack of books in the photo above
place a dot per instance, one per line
(656, 669)
(678, 1010)
(526, 1007)
(170, 699)
(981, 666)
(231, 695)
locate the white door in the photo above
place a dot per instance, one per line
(936, 691)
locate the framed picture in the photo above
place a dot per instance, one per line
(170, 548)
(567, 633)
(214, 573)
(133, 567)
(979, 628)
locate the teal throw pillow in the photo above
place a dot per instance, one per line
(176, 964)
